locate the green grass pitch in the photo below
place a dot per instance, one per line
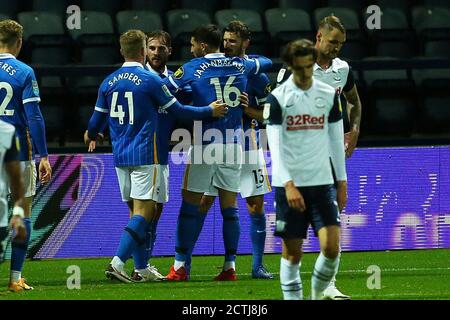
(416, 274)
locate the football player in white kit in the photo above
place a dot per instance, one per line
(305, 130)
(337, 73)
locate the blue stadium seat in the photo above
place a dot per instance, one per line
(143, 20)
(431, 23)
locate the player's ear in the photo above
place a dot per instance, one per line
(169, 51)
(246, 43)
(319, 36)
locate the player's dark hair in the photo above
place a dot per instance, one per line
(239, 28)
(160, 34)
(331, 22)
(208, 34)
(299, 48)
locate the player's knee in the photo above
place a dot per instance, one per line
(331, 251)
(255, 207)
(206, 204)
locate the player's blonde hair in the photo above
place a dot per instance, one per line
(331, 22)
(132, 42)
(10, 32)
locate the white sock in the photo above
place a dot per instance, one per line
(324, 271)
(117, 263)
(178, 264)
(15, 276)
(291, 283)
(227, 265)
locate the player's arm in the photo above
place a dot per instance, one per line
(98, 122)
(274, 119)
(351, 94)
(262, 64)
(36, 124)
(261, 87)
(337, 151)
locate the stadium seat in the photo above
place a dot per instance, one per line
(158, 6)
(110, 7)
(431, 23)
(185, 21)
(208, 6)
(437, 49)
(383, 75)
(435, 114)
(58, 7)
(356, 5)
(394, 49)
(354, 50)
(392, 116)
(394, 25)
(286, 25)
(40, 23)
(431, 78)
(143, 20)
(306, 5)
(255, 5)
(55, 120)
(348, 17)
(181, 23)
(93, 22)
(251, 18)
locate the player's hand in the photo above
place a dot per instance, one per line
(93, 143)
(294, 197)
(245, 102)
(219, 108)
(45, 170)
(350, 141)
(342, 194)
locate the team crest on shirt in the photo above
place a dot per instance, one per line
(320, 102)
(179, 73)
(35, 87)
(267, 89)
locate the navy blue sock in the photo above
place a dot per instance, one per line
(185, 238)
(231, 232)
(200, 222)
(258, 236)
(133, 236)
(19, 249)
(141, 252)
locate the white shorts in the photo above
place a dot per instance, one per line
(218, 165)
(29, 176)
(254, 178)
(150, 182)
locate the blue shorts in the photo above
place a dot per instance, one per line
(321, 211)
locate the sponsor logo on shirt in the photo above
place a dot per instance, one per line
(305, 122)
(35, 87)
